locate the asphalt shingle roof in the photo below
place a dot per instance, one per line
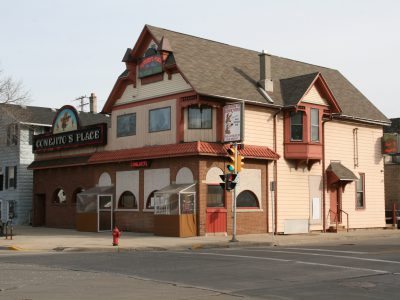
(219, 69)
(45, 115)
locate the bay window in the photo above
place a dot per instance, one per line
(314, 125)
(199, 117)
(296, 126)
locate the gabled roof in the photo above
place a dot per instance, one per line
(293, 89)
(45, 115)
(233, 72)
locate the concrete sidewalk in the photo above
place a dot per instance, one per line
(28, 238)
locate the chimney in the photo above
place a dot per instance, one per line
(265, 72)
(93, 103)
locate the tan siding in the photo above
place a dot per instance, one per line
(206, 135)
(314, 97)
(258, 126)
(143, 137)
(161, 88)
(339, 144)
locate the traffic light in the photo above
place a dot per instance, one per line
(239, 163)
(232, 157)
(229, 182)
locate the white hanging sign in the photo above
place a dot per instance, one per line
(233, 122)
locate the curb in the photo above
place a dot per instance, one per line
(12, 247)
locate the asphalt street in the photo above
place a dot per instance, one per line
(347, 271)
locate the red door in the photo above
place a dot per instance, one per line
(336, 205)
(216, 209)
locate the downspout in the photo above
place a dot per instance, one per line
(275, 176)
(324, 175)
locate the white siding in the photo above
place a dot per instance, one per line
(157, 89)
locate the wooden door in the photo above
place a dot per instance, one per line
(336, 204)
(39, 210)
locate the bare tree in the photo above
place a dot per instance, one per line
(11, 91)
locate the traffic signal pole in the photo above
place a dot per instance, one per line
(234, 200)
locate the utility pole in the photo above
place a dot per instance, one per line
(82, 104)
(234, 198)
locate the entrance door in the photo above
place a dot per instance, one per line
(39, 210)
(336, 203)
(104, 213)
(216, 210)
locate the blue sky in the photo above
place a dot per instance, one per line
(65, 49)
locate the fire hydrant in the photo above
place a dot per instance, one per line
(116, 234)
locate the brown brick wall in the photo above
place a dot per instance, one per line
(392, 185)
(70, 178)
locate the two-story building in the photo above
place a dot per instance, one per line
(311, 145)
(18, 124)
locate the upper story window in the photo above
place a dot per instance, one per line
(11, 177)
(126, 125)
(314, 125)
(31, 133)
(200, 118)
(296, 126)
(12, 134)
(160, 119)
(1, 180)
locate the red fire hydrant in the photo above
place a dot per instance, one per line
(116, 234)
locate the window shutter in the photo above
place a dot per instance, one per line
(15, 177)
(6, 177)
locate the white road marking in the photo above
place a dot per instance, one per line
(326, 250)
(285, 260)
(327, 255)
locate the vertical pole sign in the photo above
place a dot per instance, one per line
(233, 133)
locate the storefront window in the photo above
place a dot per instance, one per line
(247, 199)
(127, 201)
(200, 117)
(160, 119)
(150, 200)
(75, 194)
(215, 196)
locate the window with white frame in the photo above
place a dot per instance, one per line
(12, 134)
(360, 191)
(11, 177)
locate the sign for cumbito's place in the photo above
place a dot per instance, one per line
(67, 133)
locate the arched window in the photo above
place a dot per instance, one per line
(150, 200)
(75, 194)
(59, 196)
(127, 200)
(247, 199)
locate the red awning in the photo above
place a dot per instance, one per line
(182, 149)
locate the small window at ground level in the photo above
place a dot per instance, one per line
(360, 191)
(127, 201)
(160, 119)
(150, 200)
(200, 118)
(296, 126)
(247, 199)
(59, 197)
(215, 196)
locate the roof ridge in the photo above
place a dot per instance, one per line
(217, 42)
